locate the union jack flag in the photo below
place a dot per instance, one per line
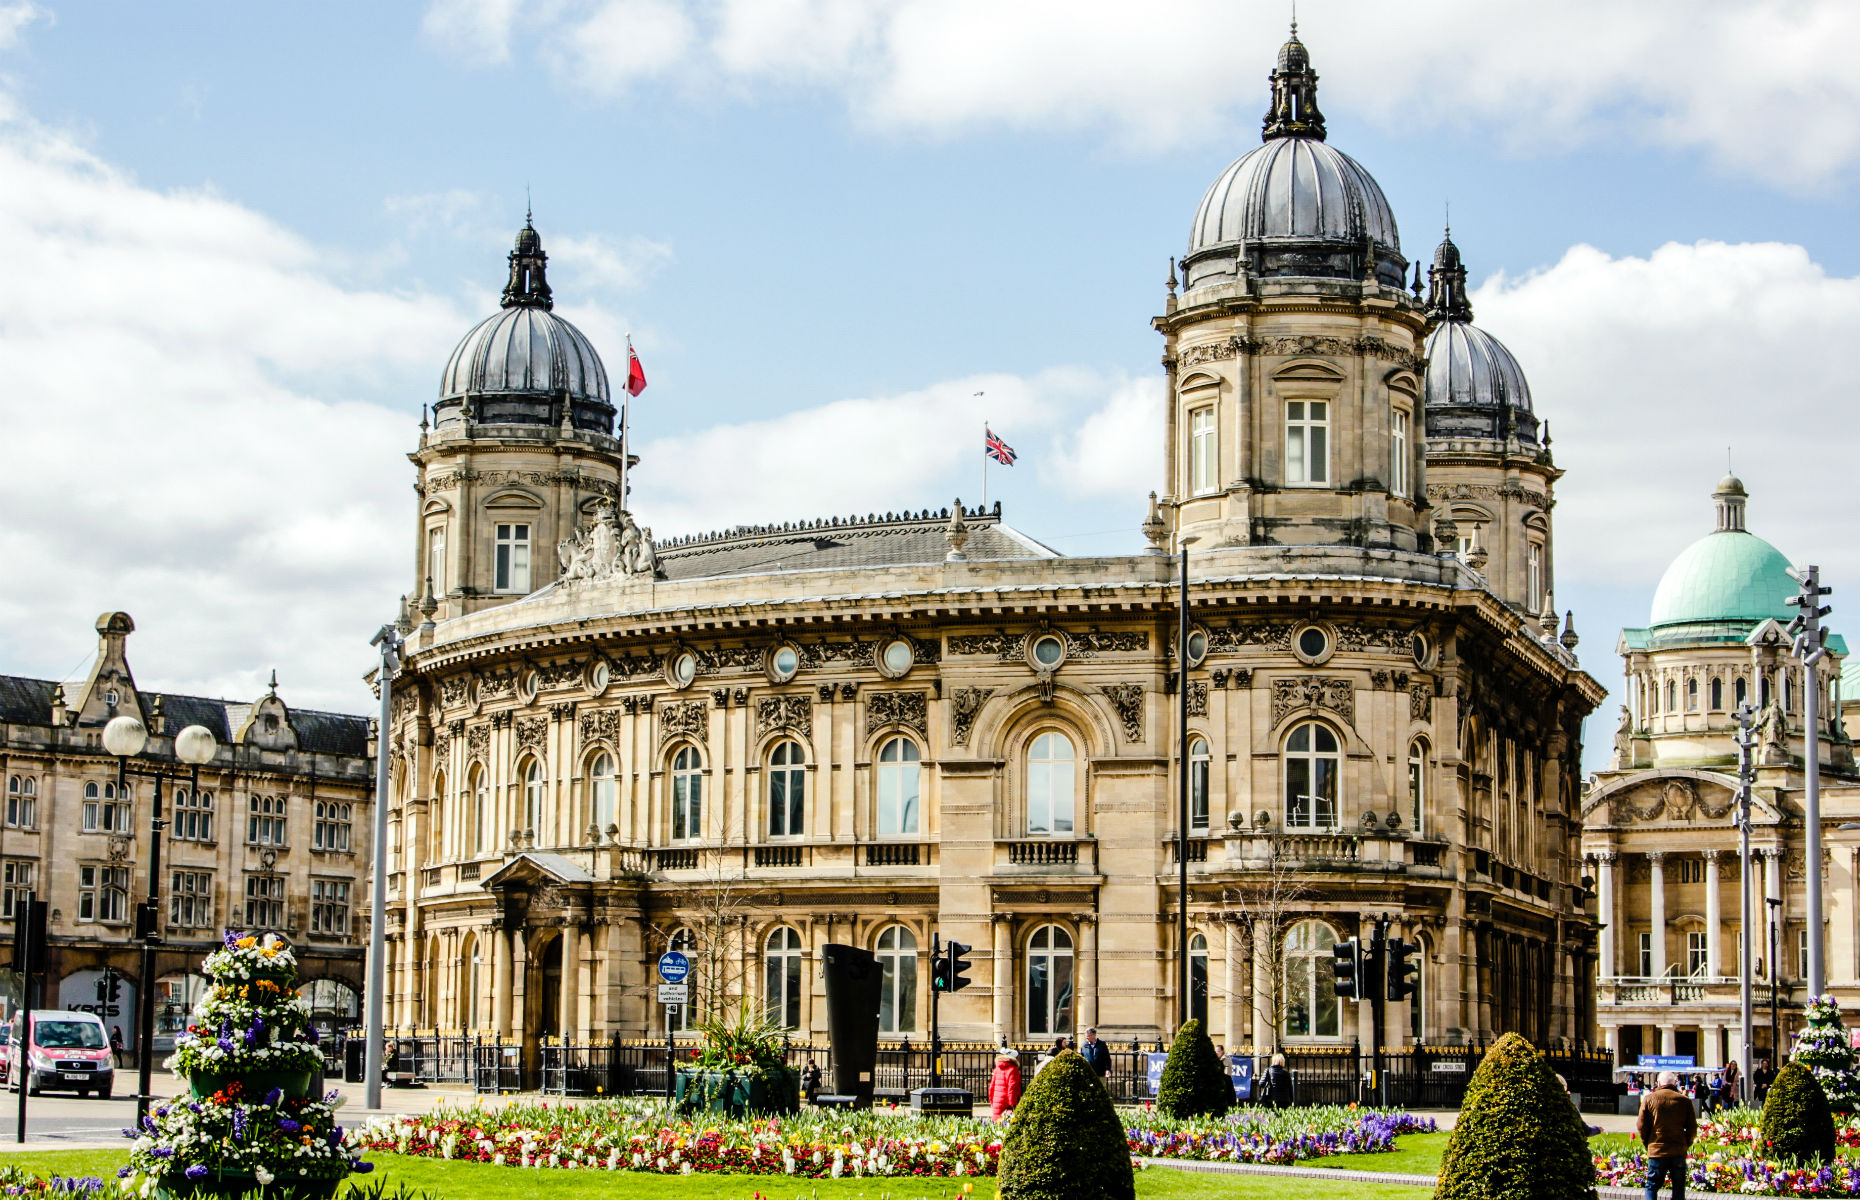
(998, 450)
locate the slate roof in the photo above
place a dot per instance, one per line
(894, 539)
(29, 702)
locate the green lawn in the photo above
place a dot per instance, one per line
(1414, 1154)
(458, 1181)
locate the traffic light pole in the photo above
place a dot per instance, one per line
(936, 996)
(1378, 948)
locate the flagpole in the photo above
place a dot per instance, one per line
(985, 457)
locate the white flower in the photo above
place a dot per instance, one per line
(263, 1176)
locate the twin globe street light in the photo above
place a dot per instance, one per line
(126, 737)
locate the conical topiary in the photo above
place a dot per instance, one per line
(1193, 1083)
(1797, 1123)
(1518, 1137)
(1824, 1048)
(1065, 1141)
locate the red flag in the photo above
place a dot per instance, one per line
(635, 374)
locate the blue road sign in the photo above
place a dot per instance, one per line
(673, 967)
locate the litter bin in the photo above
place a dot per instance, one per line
(355, 1060)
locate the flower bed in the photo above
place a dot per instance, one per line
(632, 1135)
(14, 1181)
(1728, 1156)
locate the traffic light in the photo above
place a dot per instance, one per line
(103, 987)
(956, 976)
(939, 973)
(1401, 969)
(1346, 962)
(116, 987)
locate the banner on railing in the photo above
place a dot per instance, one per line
(1240, 1067)
(1156, 1062)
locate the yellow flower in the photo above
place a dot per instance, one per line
(246, 943)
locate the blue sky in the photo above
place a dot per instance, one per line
(826, 225)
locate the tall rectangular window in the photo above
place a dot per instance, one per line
(190, 899)
(513, 558)
(436, 559)
(193, 816)
(16, 878)
(1646, 955)
(332, 828)
(265, 821)
(1398, 452)
(329, 907)
(1696, 963)
(1534, 576)
(1202, 446)
(1307, 441)
(103, 893)
(264, 901)
(22, 799)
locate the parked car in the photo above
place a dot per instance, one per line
(70, 1051)
(6, 1039)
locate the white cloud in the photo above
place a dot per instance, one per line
(475, 30)
(1761, 87)
(1118, 450)
(598, 261)
(1648, 369)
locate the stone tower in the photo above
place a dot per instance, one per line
(522, 452)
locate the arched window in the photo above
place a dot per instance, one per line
(1740, 692)
(1201, 451)
(1672, 696)
(22, 793)
(683, 942)
(602, 791)
(1049, 981)
(687, 795)
(1417, 785)
(787, 791)
(532, 798)
(480, 807)
(436, 835)
(1764, 692)
(1788, 691)
(1198, 761)
(1050, 784)
(1312, 764)
(781, 990)
(899, 779)
(897, 990)
(1692, 695)
(1198, 979)
(1311, 1009)
(1717, 694)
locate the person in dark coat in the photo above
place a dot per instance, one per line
(1668, 1123)
(810, 1081)
(1097, 1055)
(1281, 1088)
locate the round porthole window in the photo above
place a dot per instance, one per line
(601, 676)
(783, 663)
(683, 669)
(1312, 644)
(529, 685)
(1197, 646)
(1418, 644)
(897, 657)
(1048, 651)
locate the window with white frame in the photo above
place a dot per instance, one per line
(512, 560)
(265, 821)
(16, 885)
(1534, 576)
(264, 901)
(1398, 452)
(22, 801)
(781, 982)
(103, 893)
(787, 790)
(335, 825)
(603, 791)
(1645, 949)
(1050, 782)
(439, 813)
(687, 795)
(1801, 954)
(1202, 447)
(190, 899)
(436, 559)
(1311, 1007)
(1198, 979)
(329, 907)
(1697, 962)
(1672, 696)
(1313, 761)
(897, 989)
(1307, 441)
(1692, 695)
(899, 779)
(480, 807)
(193, 816)
(1717, 694)
(1198, 772)
(532, 797)
(1417, 785)
(107, 808)
(1049, 982)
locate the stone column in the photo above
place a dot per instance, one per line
(1233, 1027)
(1605, 911)
(501, 986)
(1711, 1045)
(1087, 964)
(1656, 893)
(519, 975)
(1669, 1039)
(1004, 978)
(1714, 919)
(571, 963)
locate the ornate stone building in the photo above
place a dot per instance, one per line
(1659, 825)
(276, 839)
(874, 730)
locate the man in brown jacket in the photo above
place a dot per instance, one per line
(1668, 1123)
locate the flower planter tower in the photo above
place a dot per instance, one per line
(252, 1118)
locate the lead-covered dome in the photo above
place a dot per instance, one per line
(1295, 206)
(1475, 387)
(524, 365)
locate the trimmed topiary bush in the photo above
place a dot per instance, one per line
(1797, 1123)
(1518, 1136)
(1065, 1141)
(1825, 1049)
(1193, 1083)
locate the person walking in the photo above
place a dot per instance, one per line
(116, 1045)
(810, 1081)
(1667, 1125)
(1004, 1084)
(1281, 1088)
(1761, 1077)
(1731, 1088)
(1097, 1056)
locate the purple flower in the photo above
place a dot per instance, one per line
(226, 1043)
(286, 1125)
(361, 1166)
(312, 1035)
(163, 1152)
(123, 1172)
(129, 1133)
(196, 1172)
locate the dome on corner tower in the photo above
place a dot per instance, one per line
(1475, 388)
(518, 364)
(1294, 206)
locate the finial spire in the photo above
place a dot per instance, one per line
(274, 681)
(1294, 111)
(529, 281)
(1446, 284)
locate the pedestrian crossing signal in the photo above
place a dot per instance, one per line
(1346, 962)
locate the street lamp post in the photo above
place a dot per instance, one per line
(389, 642)
(125, 737)
(1810, 638)
(1184, 1004)
(1746, 775)
(1775, 1021)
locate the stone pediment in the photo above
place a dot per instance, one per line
(536, 869)
(1675, 797)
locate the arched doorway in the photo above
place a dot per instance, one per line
(548, 1016)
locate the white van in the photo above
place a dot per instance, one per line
(70, 1052)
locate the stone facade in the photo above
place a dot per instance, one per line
(277, 839)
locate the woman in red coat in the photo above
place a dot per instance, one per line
(1004, 1084)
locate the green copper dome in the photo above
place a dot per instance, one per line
(1727, 575)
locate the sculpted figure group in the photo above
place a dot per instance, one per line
(612, 547)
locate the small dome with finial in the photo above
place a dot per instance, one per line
(1475, 387)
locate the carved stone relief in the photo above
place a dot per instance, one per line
(1289, 695)
(1197, 697)
(477, 741)
(532, 734)
(683, 720)
(785, 712)
(601, 726)
(1127, 699)
(909, 709)
(964, 705)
